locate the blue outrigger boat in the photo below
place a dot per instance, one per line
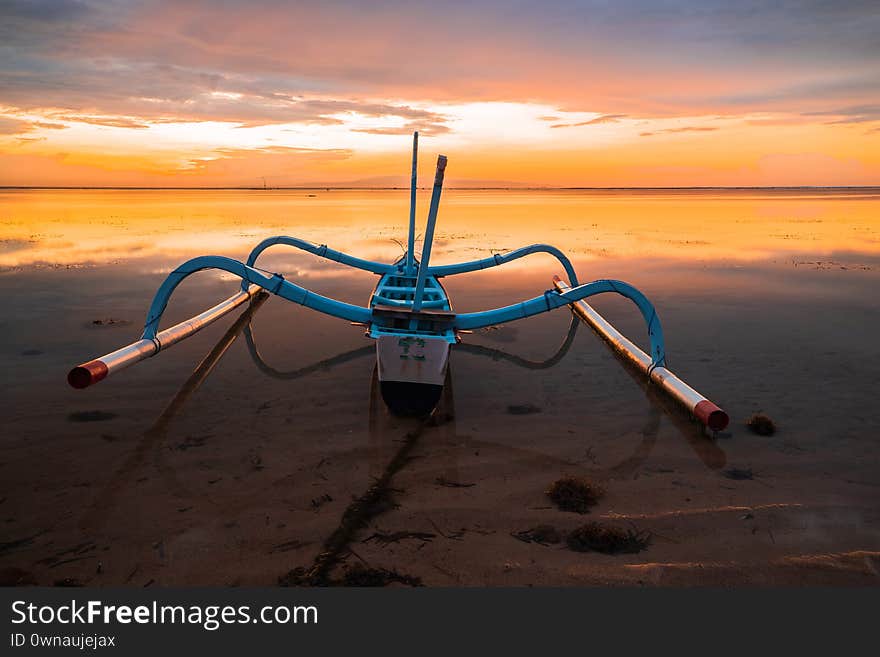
(409, 315)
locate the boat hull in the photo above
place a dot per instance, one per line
(412, 349)
(412, 370)
(410, 399)
(412, 359)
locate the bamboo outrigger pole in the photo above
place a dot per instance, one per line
(696, 404)
(82, 376)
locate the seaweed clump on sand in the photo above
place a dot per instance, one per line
(360, 575)
(523, 409)
(110, 321)
(761, 425)
(90, 416)
(739, 474)
(300, 576)
(542, 535)
(357, 575)
(594, 537)
(574, 494)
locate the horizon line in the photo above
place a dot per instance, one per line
(426, 188)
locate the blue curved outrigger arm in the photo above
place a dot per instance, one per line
(322, 251)
(553, 299)
(500, 259)
(273, 283)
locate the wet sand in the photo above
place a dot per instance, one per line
(205, 467)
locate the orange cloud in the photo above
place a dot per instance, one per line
(199, 93)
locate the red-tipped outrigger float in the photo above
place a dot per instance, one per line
(410, 316)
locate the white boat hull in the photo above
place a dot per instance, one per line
(412, 359)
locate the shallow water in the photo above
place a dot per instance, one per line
(768, 300)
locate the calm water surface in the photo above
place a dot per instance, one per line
(769, 302)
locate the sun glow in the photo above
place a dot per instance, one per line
(492, 144)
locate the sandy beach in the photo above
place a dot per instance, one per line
(209, 466)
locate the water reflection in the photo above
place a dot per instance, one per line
(152, 442)
(789, 333)
(383, 428)
(50, 228)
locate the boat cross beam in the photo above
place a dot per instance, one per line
(273, 283)
(322, 251)
(701, 408)
(552, 299)
(502, 258)
(153, 341)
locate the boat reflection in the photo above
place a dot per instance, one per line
(153, 439)
(385, 430)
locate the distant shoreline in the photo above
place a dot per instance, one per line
(453, 188)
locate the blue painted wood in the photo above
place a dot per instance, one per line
(322, 251)
(398, 291)
(273, 283)
(411, 238)
(429, 231)
(500, 259)
(552, 299)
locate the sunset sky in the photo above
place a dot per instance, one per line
(188, 93)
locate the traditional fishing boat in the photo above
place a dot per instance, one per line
(410, 316)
